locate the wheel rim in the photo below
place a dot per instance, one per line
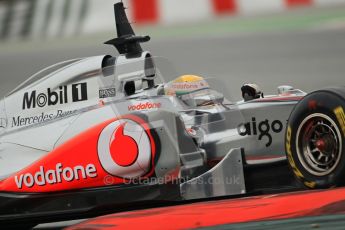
(319, 144)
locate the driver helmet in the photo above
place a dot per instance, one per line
(185, 84)
(193, 90)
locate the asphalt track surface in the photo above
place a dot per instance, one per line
(307, 58)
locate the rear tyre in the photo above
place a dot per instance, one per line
(315, 139)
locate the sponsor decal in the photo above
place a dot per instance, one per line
(292, 163)
(261, 129)
(180, 88)
(144, 106)
(20, 121)
(185, 85)
(54, 176)
(339, 112)
(125, 149)
(106, 93)
(34, 99)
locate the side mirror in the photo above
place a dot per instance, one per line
(285, 89)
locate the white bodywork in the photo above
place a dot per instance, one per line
(64, 100)
(55, 105)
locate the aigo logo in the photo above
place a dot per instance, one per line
(126, 149)
(261, 129)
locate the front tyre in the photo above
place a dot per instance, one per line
(315, 139)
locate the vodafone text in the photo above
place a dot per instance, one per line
(54, 176)
(186, 86)
(144, 106)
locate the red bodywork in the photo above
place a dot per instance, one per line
(76, 164)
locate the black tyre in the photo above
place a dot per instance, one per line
(315, 139)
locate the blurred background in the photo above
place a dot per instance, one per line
(269, 42)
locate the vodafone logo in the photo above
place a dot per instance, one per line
(125, 149)
(144, 106)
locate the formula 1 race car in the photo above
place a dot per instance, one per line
(99, 134)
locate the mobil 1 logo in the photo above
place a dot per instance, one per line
(262, 129)
(79, 92)
(61, 96)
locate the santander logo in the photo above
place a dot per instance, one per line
(125, 149)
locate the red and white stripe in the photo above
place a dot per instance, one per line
(174, 11)
(100, 15)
